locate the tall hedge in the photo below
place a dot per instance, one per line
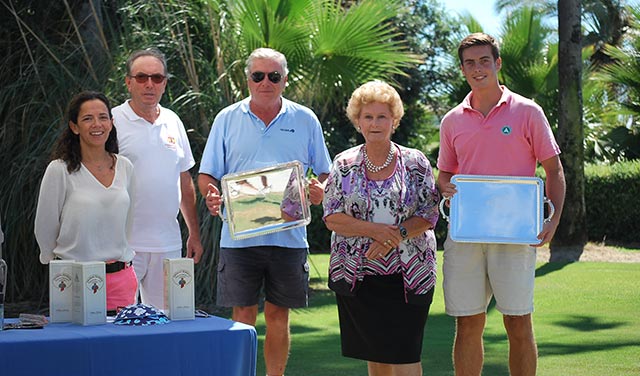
(612, 196)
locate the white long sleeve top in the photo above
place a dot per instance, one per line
(78, 218)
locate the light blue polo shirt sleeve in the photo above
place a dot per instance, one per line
(213, 156)
(321, 161)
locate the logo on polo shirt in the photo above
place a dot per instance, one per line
(288, 130)
(506, 130)
(170, 143)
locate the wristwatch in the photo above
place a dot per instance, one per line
(403, 232)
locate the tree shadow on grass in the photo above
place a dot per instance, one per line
(588, 323)
(550, 267)
(554, 348)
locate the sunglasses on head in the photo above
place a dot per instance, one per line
(142, 78)
(274, 77)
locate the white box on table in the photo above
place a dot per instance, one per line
(179, 292)
(60, 290)
(89, 293)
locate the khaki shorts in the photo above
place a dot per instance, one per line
(474, 272)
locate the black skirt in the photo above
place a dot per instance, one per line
(378, 325)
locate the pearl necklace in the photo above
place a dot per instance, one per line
(373, 168)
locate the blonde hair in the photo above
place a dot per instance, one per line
(372, 92)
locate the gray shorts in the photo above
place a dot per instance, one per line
(242, 273)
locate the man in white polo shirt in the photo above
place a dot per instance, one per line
(154, 139)
(263, 130)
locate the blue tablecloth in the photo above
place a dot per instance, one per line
(204, 346)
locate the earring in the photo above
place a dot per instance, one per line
(358, 128)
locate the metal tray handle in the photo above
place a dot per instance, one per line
(443, 214)
(552, 210)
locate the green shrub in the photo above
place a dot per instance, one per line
(612, 197)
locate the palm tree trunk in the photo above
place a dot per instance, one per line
(571, 235)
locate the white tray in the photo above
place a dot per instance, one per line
(496, 209)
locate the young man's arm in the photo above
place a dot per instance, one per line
(555, 191)
(447, 189)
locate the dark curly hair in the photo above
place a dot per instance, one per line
(68, 145)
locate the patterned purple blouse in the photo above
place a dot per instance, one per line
(409, 191)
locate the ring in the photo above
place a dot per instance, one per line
(387, 242)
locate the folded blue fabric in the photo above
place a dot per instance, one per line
(141, 315)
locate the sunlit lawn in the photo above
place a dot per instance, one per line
(587, 323)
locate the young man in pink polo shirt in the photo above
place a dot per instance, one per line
(494, 132)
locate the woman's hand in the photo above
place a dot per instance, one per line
(378, 250)
(386, 238)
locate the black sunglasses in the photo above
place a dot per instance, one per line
(274, 77)
(142, 78)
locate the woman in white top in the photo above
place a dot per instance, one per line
(84, 202)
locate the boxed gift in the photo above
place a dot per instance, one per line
(60, 290)
(179, 292)
(89, 303)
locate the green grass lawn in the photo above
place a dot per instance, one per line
(587, 323)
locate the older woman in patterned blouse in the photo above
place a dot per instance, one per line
(381, 205)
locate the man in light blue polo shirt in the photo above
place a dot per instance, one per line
(260, 131)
